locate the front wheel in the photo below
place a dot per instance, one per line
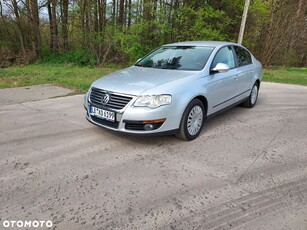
(192, 120)
(252, 99)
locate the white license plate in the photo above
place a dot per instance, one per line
(103, 114)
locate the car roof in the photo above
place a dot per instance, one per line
(201, 43)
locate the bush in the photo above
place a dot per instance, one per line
(82, 57)
(7, 57)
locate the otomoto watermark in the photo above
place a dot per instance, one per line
(27, 224)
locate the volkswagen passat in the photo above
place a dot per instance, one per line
(175, 88)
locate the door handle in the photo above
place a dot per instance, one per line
(235, 77)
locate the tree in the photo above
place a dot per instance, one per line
(35, 30)
(65, 4)
(52, 5)
(123, 30)
(285, 40)
(19, 27)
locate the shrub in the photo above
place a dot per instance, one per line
(82, 57)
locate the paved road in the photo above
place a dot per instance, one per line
(31, 93)
(247, 170)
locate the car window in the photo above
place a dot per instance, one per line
(224, 55)
(243, 56)
(177, 57)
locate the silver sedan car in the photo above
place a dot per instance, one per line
(175, 88)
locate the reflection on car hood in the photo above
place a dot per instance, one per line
(135, 80)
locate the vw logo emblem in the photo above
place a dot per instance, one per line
(105, 98)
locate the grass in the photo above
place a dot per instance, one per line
(296, 76)
(80, 78)
(74, 77)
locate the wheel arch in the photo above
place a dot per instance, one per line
(203, 99)
(183, 132)
(258, 83)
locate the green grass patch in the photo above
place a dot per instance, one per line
(80, 78)
(69, 76)
(296, 76)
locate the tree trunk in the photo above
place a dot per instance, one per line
(65, 24)
(146, 10)
(20, 30)
(54, 37)
(129, 13)
(101, 14)
(35, 32)
(114, 11)
(50, 25)
(96, 16)
(121, 12)
(83, 19)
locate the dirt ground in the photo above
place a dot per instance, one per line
(247, 169)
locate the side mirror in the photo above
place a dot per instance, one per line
(221, 68)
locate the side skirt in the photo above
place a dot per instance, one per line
(228, 107)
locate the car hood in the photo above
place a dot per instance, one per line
(135, 80)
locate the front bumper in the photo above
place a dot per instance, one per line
(138, 120)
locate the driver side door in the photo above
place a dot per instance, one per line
(223, 86)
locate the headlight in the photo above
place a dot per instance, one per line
(153, 101)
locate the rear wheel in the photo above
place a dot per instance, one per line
(192, 120)
(252, 99)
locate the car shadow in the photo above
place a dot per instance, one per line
(232, 113)
(161, 139)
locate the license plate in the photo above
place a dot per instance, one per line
(103, 114)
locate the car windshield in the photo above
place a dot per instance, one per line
(177, 57)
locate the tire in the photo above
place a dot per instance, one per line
(253, 97)
(192, 120)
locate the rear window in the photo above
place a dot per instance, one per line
(243, 56)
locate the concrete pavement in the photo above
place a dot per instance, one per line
(16, 95)
(247, 170)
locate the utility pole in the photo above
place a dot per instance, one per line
(243, 22)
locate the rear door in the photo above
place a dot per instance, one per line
(244, 71)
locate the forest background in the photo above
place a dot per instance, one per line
(100, 32)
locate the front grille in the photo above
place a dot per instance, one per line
(116, 101)
(105, 122)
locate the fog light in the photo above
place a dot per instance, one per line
(148, 127)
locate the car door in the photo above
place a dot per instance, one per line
(222, 87)
(244, 71)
